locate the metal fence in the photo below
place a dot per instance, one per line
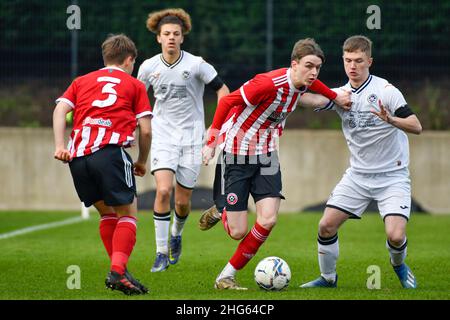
(241, 38)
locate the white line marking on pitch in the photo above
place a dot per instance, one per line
(41, 227)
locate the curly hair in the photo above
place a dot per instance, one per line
(173, 15)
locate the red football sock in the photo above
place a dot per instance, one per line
(249, 246)
(123, 243)
(107, 226)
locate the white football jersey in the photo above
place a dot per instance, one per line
(178, 113)
(375, 145)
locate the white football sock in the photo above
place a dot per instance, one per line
(328, 253)
(162, 224)
(397, 254)
(178, 225)
(228, 271)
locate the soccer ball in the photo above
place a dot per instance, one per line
(272, 273)
(69, 117)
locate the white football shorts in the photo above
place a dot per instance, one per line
(184, 161)
(391, 191)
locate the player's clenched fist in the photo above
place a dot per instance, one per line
(62, 155)
(343, 99)
(139, 169)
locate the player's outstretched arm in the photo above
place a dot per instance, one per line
(59, 127)
(341, 97)
(409, 124)
(145, 139)
(312, 100)
(222, 92)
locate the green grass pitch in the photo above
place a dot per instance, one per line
(34, 265)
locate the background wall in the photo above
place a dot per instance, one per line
(40, 56)
(312, 163)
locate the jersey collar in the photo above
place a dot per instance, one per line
(171, 66)
(362, 86)
(113, 67)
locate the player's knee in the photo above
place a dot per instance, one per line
(396, 237)
(163, 193)
(327, 228)
(182, 207)
(237, 234)
(268, 223)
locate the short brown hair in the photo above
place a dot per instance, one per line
(176, 16)
(355, 43)
(305, 47)
(116, 48)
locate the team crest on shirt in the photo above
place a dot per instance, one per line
(232, 198)
(155, 161)
(372, 98)
(186, 74)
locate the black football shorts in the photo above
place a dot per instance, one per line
(259, 176)
(106, 174)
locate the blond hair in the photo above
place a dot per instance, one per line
(355, 43)
(305, 47)
(173, 15)
(116, 48)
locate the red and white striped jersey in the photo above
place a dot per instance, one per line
(106, 104)
(261, 107)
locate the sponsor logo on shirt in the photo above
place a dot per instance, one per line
(351, 121)
(277, 117)
(98, 122)
(360, 119)
(174, 91)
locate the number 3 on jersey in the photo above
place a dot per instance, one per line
(109, 89)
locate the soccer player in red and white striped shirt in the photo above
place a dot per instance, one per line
(246, 124)
(107, 104)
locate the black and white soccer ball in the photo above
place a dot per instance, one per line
(272, 273)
